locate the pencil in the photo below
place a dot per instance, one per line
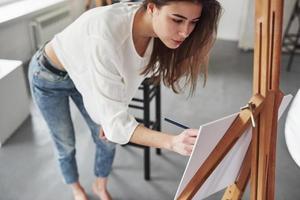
(176, 123)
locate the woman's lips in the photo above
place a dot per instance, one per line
(178, 42)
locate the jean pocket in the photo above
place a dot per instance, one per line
(44, 74)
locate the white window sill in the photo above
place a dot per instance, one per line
(21, 8)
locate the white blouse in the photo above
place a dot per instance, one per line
(98, 52)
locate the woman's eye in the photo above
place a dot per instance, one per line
(178, 21)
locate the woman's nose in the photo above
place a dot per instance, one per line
(183, 34)
(184, 31)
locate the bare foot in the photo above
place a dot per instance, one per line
(99, 189)
(78, 192)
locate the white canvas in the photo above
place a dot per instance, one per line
(226, 172)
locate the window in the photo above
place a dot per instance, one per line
(4, 2)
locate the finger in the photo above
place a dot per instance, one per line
(101, 135)
(104, 138)
(189, 149)
(192, 132)
(190, 140)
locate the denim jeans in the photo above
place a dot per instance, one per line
(51, 94)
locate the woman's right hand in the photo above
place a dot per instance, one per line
(184, 142)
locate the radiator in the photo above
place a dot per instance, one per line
(44, 27)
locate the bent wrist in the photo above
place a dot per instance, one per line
(169, 142)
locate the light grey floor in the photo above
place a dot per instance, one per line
(28, 170)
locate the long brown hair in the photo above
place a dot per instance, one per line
(189, 60)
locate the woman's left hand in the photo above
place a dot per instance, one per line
(102, 135)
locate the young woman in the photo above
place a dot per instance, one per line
(101, 59)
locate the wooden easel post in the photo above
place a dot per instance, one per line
(266, 82)
(266, 100)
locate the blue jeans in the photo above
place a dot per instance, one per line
(51, 94)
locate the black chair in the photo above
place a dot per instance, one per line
(150, 92)
(290, 43)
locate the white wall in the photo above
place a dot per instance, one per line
(246, 40)
(230, 22)
(237, 21)
(15, 38)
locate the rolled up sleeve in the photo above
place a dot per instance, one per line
(106, 99)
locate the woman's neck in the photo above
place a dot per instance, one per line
(142, 24)
(142, 31)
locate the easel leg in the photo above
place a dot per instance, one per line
(264, 146)
(254, 164)
(272, 156)
(261, 150)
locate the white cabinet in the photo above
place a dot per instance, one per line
(14, 99)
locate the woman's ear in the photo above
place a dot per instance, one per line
(150, 8)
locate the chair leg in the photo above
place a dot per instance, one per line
(147, 163)
(158, 151)
(147, 124)
(295, 45)
(290, 62)
(158, 113)
(289, 66)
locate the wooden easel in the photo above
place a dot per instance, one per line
(89, 3)
(261, 112)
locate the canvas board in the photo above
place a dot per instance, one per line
(226, 172)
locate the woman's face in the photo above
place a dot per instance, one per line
(174, 22)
